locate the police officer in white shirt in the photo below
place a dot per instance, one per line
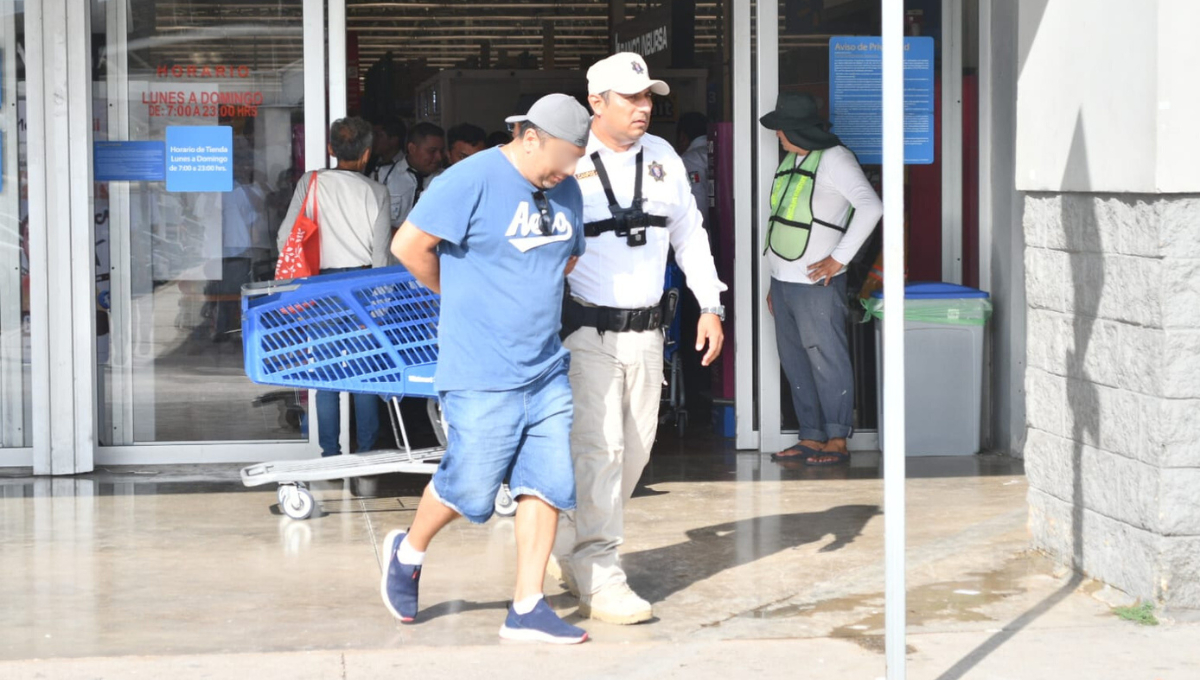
(822, 211)
(387, 149)
(411, 173)
(387, 159)
(693, 149)
(637, 205)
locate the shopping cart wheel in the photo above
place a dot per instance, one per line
(506, 505)
(297, 501)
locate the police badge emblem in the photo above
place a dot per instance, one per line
(657, 171)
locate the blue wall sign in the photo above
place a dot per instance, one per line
(856, 97)
(128, 161)
(200, 158)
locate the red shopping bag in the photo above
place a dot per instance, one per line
(301, 256)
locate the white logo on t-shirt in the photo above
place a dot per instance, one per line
(525, 232)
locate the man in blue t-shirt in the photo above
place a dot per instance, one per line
(495, 235)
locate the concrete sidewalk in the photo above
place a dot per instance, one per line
(1103, 651)
(754, 569)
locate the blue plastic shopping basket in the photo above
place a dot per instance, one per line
(371, 331)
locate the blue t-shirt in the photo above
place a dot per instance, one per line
(502, 280)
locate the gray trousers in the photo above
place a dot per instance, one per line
(810, 330)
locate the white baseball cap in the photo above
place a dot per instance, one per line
(623, 73)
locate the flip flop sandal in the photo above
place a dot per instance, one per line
(796, 452)
(838, 459)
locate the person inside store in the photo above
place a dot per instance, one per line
(691, 140)
(424, 154)
(495, 236)
(637, 206)
(822, 211)
(390, 134)
(692, 144)
(352, 213)
(387, 165)
(464, 140)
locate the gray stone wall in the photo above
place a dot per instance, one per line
(1113, 388)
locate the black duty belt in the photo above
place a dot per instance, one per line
(613, 320)
(630, 223)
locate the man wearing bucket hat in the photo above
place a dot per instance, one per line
(495, 235)
(638, 204)
(822, 210)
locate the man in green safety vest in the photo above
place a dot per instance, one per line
(822, 210)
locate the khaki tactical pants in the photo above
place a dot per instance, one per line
(616, 379)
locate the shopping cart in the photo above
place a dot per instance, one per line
(370, 331)
(673, 408)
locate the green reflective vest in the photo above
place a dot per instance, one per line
(792, 217)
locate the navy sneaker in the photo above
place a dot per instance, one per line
(541, 625)
(400, 582)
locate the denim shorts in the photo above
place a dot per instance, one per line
(523, 435)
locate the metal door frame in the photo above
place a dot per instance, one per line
(62, 306)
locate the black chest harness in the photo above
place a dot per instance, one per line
(630, 222)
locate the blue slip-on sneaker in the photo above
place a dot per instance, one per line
(400, 582)
(541, 625)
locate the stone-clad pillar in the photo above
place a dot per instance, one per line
(1106, 149)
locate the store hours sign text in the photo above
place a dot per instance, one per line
(203, 100)
(208, 104)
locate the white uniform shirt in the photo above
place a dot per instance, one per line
(401, 183)
(612, 273)
(840, 184)
(695, 161)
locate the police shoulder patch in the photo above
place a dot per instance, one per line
(657, 171)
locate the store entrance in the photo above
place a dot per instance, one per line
(465, 67)
(170, 262)
(941, 188)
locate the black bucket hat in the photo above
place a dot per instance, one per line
(797, 115)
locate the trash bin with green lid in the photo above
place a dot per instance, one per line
(944, 327)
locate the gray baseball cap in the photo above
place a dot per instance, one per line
(560, 116)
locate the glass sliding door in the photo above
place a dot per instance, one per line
(173, 251)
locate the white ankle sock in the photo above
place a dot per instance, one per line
(406, 554)
(525, 606)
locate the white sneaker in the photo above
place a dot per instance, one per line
(616, 604)
(562, 571)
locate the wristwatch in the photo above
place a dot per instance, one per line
(719, 310)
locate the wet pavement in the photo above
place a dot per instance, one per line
(731, 547)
